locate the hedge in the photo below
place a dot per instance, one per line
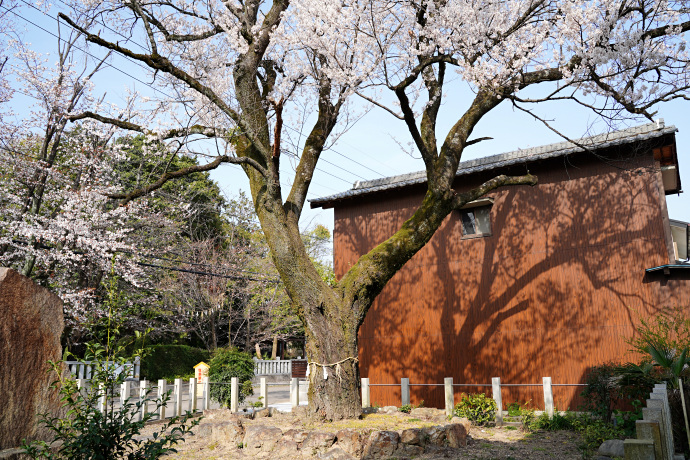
(171, 361)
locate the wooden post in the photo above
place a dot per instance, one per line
(294, 392)
(143, 398)
(234, 394)
(685, 410)
(264, 391)
(450, 397)
(207, 393)
(366, 395)
(548, 396)
(178, 397)
(192, 395)
(405, 391)
(162, 390)
(498, 397)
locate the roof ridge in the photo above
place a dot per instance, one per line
(627, 135)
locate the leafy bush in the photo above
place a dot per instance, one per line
(514, 409)
(225, 364)
(532, 422)
(478, 408)
(407, 408)
(670, 329)
(86, 433)
(171, 361)
(594, 432)
(601, 391)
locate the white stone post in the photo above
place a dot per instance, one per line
(366, 394)
(82, 385)
(548, 396)
(143, 398)
(264, 391)
(405, 391)
(450, 397)
(294, 392)
(207, 393)
(178, 397)
(234, 394)
(498, 397)
(102, 398)
(162, 390)
(192, 395)
(125, 391)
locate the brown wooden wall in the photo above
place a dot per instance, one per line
(553, 291)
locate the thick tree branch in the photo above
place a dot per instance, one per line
(170, 134)
(462, 198)
(129, 196)
(158, 62)
(328, 115)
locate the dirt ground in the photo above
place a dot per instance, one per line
(504, 443)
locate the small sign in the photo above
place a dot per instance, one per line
(201, 371)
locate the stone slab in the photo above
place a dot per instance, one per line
(31, 323)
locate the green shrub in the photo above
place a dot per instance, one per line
(225, 364)
(171, 361)
(594, 432)
(559, 421)
(86, 433)
(478, 408)
(601, 391)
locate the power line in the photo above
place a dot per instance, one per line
(167, 95)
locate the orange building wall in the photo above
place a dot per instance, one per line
(555, 289)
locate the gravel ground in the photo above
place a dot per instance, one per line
(504, 443)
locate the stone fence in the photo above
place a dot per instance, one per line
(448, 385)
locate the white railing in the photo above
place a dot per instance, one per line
(84, 369)
(272, 366)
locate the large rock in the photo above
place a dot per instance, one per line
(350, 441)
(31, 323)
(612, 448)
(381, 444)
(317, 442)
(456, 435)
(261, 438)
(228, 432)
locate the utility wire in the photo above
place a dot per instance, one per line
(164, 93)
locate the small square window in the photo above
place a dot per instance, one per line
(476, 221)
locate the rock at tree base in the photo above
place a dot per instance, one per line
(31, 323)
(612, 448)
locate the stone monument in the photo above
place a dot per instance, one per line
(31, 323)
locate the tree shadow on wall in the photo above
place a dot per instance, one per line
(549, 293)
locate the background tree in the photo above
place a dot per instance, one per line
(237, 69)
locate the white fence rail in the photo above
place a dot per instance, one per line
(85, 369)
(272, 366)
(183, 396)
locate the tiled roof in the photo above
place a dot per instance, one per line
(624, 136)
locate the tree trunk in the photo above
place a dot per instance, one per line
(274, 350)
(334, 384)
(258, 350)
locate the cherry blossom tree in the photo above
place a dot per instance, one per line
(236, 71)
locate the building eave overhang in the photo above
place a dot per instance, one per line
(560, 149)
(668, 268)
